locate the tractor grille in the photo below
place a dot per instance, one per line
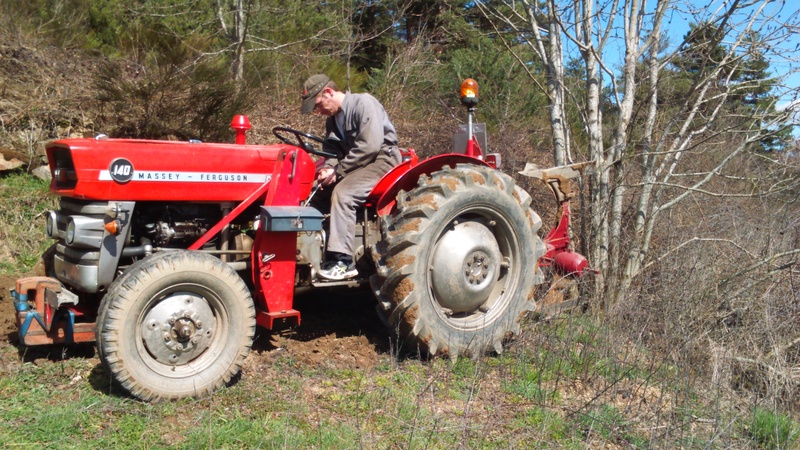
(64, 174)
(78, 266)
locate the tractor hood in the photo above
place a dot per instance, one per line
(141, 170)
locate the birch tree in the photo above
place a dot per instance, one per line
(620, 44)
(694, 181)
(536, 24)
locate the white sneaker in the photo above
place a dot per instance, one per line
(337, 270)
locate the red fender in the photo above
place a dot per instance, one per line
(405, 177)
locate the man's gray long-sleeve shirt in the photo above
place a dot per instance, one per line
(367, 134)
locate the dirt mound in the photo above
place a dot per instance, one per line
(7, 313)
(339, 329)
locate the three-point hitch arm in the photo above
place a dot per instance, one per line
(559, 180)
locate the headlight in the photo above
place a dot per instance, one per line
(112, 210)
(70, 237)
(52, 224)
(82, 231)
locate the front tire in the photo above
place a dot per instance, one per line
(458, 262)
(176, 324)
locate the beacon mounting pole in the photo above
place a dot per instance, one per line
(469, 98)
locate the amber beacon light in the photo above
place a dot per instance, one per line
(469, 93)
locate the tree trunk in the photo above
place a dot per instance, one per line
(241, 36)
(555, 88)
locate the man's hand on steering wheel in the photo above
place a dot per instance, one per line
(300, 141)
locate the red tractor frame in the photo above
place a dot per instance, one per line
(168, 254)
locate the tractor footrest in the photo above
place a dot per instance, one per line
(268, 319)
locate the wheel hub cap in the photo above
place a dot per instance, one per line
(465, 267)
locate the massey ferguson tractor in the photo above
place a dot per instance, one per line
(168, 254)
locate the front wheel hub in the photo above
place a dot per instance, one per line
(465, 267)
(184, 329)
(175, 330)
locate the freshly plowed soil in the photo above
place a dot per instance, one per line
(339, 329)
(7, 323)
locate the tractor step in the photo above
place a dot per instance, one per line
(353, 282)
(268, 320)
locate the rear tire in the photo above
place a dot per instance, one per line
(176, 324)
(458, 262)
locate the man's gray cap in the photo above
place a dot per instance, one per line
(311, 88)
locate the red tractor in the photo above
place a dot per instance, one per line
(168, 254)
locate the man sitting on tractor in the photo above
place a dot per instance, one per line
(359, 131)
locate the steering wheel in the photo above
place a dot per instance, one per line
(300, 137)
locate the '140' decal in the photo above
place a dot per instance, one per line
(121, 170)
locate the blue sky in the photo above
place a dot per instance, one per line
(784, 56)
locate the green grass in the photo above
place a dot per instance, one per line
(23, 198)
(569, 383)
(550, 425)
(521, 399)
(774, 430)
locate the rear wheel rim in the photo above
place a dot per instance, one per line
(480, 276)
